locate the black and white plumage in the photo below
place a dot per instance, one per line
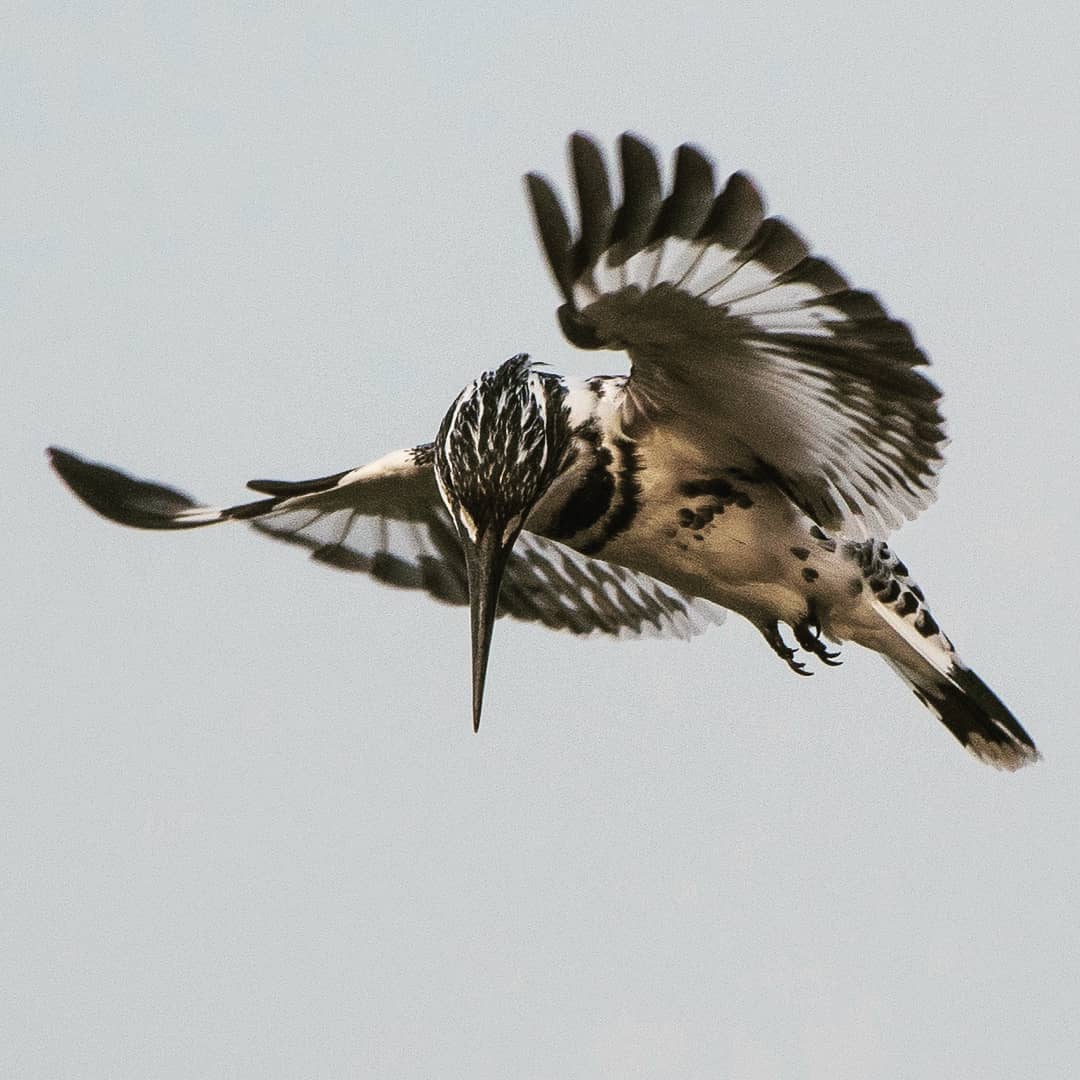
(776, 425)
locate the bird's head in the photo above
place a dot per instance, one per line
(499, 447)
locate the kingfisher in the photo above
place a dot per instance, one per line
(775, 426)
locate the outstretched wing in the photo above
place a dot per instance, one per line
(386, 520)
(741, 340)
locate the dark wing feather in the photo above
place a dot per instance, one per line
(386, 520)
(741, 340)
(594, 202)
(687, 208)
(554, 231)
(642, 199)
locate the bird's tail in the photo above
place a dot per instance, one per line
(925, 659)
(970, 710)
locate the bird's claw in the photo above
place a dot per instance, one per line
(771, 633)
(808, 635)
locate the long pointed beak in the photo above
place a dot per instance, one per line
(484, 564)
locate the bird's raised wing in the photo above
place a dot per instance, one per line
(741, 340)
(386, 520)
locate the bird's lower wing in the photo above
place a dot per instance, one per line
(387, 520)
(740, 338)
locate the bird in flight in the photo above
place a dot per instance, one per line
(774, 428)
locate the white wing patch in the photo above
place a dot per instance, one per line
(544, 581)
(741, 341)
(611, 599)
(387, 520)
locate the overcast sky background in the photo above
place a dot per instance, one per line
(246, 828)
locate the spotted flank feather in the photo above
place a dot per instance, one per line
(738, 335)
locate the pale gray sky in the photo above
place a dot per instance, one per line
(246, 828)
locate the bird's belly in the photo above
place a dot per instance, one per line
(736, 556)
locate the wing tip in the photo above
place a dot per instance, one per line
(119, 497)
(584, 140)
(63, 461)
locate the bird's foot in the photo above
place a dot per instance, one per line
(771, 633)
(808, 635)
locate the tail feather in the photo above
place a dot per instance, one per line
(904, 632)
(971, 711)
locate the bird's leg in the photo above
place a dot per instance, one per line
(771, 633)
(808, 635)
